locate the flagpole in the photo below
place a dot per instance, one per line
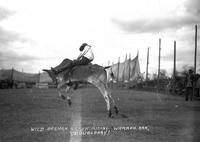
(123, 78)
(159, 64)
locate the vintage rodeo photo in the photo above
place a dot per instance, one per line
(99, 71)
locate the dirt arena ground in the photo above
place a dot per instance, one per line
(29, 115)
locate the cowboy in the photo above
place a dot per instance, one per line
(189, 84)
(85, 57)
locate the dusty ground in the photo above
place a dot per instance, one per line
(40, 115)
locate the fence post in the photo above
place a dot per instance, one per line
(12, 79)
(39, 77)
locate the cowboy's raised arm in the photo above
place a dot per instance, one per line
(80, 55)
(84, 52)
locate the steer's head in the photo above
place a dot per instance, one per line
(51, 74)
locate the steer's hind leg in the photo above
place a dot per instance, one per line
(68, 89)
(115, 106)
(113, 101)
(104, 92)
(106, 98)
(59, 88)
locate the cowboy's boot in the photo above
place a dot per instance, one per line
(54, 71)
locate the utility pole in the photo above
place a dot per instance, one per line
(147, 64)
(174, 74)
(159, 63)
(195, 52)
(195, 63)
(174, 71)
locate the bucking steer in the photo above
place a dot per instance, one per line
(93, 74)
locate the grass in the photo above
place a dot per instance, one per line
(164, 117)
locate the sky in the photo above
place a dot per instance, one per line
(38, 34)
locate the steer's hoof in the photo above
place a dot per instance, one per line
(110, 114)
(116, 110)
(69, 102)
(63, 97)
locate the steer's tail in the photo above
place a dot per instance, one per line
(111, 72)
(106, 67)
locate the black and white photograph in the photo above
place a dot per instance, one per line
(99, 70)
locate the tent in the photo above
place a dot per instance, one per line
(126, 71)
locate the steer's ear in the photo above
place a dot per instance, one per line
(46, 70)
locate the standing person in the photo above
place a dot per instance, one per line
(189, 85)
(85, 57)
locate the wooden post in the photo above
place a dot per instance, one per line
(147, 64)
(174, 70)
(159, 64)
(12, 72)
(174, 74)
(118, 71)
(195, 52)
(39, 77)
(12, 78)
(114, 76)
(195, 63)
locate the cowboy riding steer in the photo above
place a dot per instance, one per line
(93, 74)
